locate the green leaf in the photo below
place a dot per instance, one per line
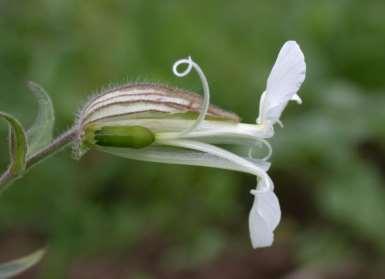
(18, 143)
(13, 268)
(40, 134)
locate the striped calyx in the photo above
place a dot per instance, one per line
(128, 116)
(133, 99)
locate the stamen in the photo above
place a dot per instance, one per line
(297, 99)
(269, 150)
(206, 91)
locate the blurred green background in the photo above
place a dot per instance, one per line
(107, 217)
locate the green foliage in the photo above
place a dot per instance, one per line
(328, 161)
(13, 268)
(41, 132)
(17, 144)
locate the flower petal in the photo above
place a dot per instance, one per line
(241, 163)
(285, 79)
(181, 156)
(264, 217)
(260, 233)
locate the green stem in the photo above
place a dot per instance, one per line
(56, 145)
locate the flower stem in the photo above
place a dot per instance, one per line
(56, 145)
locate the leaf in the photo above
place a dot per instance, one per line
(18, 143)
(40, 134)
(15, 267)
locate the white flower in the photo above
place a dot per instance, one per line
(283, 83)
(157, 123)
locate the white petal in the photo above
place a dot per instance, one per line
(285, 79)
(268, 207)
(264, 217)
(260, 234)
(241, 163)
(181, 156)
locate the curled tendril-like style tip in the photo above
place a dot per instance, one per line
(206, 91)
(178, 63)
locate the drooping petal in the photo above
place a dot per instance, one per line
(285, 79)
(264, 217)
(260, 233)
(268, 206)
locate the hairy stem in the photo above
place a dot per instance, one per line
(56, 145)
